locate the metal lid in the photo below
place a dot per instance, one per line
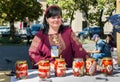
(107, 58)
(78, 59)
(89, 59)
(21, 61)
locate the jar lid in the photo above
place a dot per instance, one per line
(78, 59)
(90, 59)
(107, 58)
(21, 61)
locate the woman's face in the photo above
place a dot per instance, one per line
(55, 21)
(96, 39)
(108, 38)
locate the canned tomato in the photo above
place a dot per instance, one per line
(60, 67)
(90, 66)
(21, 69)
(44, 69)
(78, 67)
(107, 65)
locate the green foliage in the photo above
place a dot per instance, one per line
(8, 41)
(19, 9)
(15, 10)
(103, 8)
(93, 10)
(68, 6)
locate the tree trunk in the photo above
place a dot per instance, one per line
(12, 29)
(101, 24)
(71, 18)
(88, 26)
(102, 30)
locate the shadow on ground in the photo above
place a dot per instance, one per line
(10, 54)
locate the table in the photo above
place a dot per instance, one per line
(33, 77)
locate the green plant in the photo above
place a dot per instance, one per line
(9, 41)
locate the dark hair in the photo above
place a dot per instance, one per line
(109, 35)
(51, 11)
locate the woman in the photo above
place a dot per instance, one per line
(55, 40)
(110, 41)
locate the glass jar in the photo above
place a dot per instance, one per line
(21, 69)
(107, 66)
(44, 69)
(60, 67)
(78, 67)
(90, 66)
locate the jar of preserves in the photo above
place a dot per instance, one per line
(78, 67)
(60, 67)
(44, 69)
(21, 69)
(107, 65)
(90, 66)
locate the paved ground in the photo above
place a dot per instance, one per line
(10, 54)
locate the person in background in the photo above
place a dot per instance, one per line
(110, 41)
(55, 40)
(21, 25)
(102, 49)
(29, 35)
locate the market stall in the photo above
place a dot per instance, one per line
(33, 77)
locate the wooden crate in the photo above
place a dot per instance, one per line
(118, 47)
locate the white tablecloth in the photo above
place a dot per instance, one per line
(33, 77)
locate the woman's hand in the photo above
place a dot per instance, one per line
(89, 51)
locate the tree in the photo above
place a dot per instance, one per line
(93, 10)
(85, 6)
(68, 7)
(15, 10)
(103, 8)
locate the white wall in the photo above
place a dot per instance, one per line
(77, 22)
(108, 27)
